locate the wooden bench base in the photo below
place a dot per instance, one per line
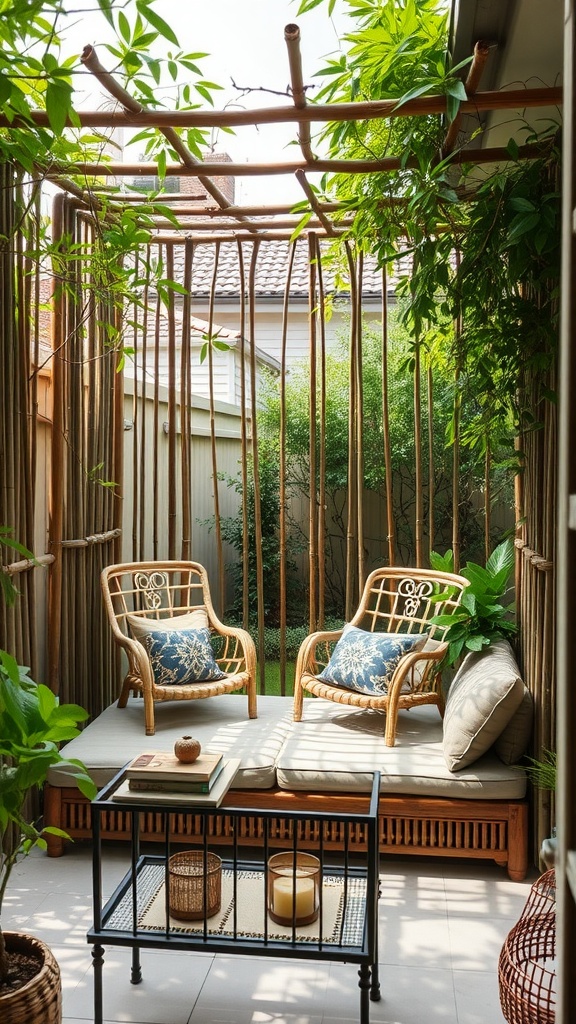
(427, 826)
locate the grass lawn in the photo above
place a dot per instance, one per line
(273, 678)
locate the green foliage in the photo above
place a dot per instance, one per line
(232, 529)
(32, 725)
(7, 540)
(504, 225)
(481, 617)
(542, 773)
(401, 431)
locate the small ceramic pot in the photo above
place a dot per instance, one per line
(187, 749)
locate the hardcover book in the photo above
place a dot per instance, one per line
(177, 785)
(176, 797)
(162, 764)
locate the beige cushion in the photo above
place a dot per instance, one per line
(485, 693)
(142, 625)
(220, 723)
(513, 742)
(335, 749)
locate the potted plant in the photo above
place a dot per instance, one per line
(481, 617)
(32, 724)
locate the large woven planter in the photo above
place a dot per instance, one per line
(40, 1001)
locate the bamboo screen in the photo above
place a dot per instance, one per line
(100, 464)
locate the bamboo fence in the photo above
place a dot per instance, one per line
(65, 468)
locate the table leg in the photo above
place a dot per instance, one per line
(136, 974)
(375, 994)
(97, 962)
(364, 986)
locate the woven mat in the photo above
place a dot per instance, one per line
(342, 920)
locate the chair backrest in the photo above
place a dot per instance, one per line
(400, 600)
(154, 590)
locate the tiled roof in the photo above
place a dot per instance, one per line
(271, 270)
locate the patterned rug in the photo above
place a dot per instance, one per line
(343, 910)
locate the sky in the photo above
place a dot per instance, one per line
(245, 43)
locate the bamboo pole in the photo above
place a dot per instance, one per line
(390, 522)
(312, 484)
(244, 447)
(533, 151)
(90, 60)
(55, 530)
(322, 463)
(292, 39)
(213, 446)
(255, 467)
(352, 503)
(172, 412)
(357, 314)
(135, 496)
(431, 466)
(156, 428)
(418, 501)
(479, 59)
(322, 219)
(188, 222)
(497, 99)
(487, 500)
(456, 441)
(185, 407)
(282, 472)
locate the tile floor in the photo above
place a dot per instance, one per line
(442, 924)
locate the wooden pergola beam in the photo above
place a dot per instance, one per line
(90, 60)
(506, 99)
(392, 163)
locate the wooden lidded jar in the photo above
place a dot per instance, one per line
(187, 749)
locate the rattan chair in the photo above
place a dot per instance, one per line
(160, 591)
(395, 600)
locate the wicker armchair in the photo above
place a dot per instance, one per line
(395, 600)
(138, 593)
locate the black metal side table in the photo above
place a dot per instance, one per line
(345, 929)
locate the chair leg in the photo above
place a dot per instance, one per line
(390, 735)
(149, 714)
(123, 698)
(298, 700)
(252, 700)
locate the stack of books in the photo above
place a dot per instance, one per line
(159, 777)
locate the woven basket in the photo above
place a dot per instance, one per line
(40, 1000)
(195, 885)
(527, 966)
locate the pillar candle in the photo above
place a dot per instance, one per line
(283, 897)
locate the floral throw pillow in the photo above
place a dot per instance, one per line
(366, 661)
(181, 656)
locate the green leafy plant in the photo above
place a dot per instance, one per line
(542, 773)
(32, 724)
(481, 617)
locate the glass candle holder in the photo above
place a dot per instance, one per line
(293, 888)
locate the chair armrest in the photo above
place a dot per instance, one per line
(408, 662)
(239, 653)
(308, 660)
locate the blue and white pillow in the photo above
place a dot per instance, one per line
(366, 661)
(181, 656)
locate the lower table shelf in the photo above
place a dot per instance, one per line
(138, 915)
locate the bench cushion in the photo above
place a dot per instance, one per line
(220, 723)
(334, 749)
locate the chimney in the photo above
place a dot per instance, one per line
(191, 186)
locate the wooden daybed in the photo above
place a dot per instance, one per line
(323, 761)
